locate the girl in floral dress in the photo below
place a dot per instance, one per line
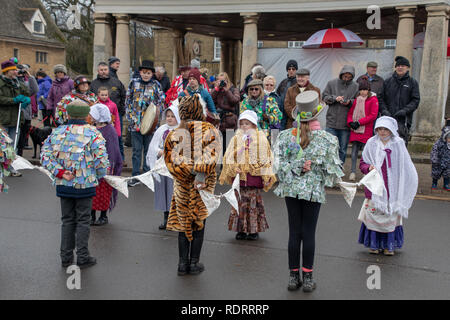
(307, 161)
(248, 155)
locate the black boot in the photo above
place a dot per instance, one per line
(196, 247)
(93, 218)
(163, 225)
(183, 250)
(294, 280)
(308, 283)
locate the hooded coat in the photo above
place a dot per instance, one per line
(337, 112)
(8, 108)
(440, 156)
(45, 85)
(59, 89)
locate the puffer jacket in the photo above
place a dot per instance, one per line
(45, 85)
(337, 112)
(400, 94)
(59, 89)
(8, 109)
(117, 91)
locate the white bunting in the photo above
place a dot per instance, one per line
(373, 181)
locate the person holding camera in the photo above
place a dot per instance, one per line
(226, 98)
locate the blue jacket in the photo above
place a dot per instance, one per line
(205, 96)
(44, 88)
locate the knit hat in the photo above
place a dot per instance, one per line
(8, 65)
(113, 59)
(446, 133)
(364, 83)
(290, 64)
(195, 63)
(100, 113)
(250, 116)
(79, 80)
(78, 109)
(59, 68)
(401, 61)
(195, 73)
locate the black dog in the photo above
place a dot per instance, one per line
(38, 136)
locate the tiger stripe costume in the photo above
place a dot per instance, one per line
(202, 140)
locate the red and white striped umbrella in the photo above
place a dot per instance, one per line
(333, 38)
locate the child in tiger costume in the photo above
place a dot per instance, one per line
(191, 152)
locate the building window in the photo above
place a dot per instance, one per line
(217, 49)
(295, 44)
(390, 43)
(41, 57)
(260, 44)
(16, 53)
(38, 27)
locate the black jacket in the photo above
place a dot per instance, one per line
(400, 95)
(164, 82)
(118, 93)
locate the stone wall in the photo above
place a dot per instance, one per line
(27, 55)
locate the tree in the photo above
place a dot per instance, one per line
(79, 49)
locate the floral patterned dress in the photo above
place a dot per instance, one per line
(326, 171)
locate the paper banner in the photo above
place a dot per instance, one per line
(22, 164)
(212, 202)
(146, 179)
(161, 168)
(118, 183)
(373, 181)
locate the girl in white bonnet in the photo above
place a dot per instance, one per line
(381, 216)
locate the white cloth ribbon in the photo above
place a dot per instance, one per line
(212, 202)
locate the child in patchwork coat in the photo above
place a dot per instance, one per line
(440, 160)
(7, 156)
(75, 154)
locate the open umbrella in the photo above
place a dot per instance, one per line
(420, 38)
(333, 38)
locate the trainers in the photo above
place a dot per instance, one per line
(133, 182)
(386, 252)
(352, 176)
(374, 251)
(101, 221)
(90, 261)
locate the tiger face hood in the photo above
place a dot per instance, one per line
(190, 108)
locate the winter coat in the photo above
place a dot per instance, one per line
(45, 85)
(8, 109)
(179, 85)
(115, 120)
(204, 94)
(440, 153)
(164, 82)
(376, 83)
(400, 94)
(371, 111)
(337, 112)
(282, 91)
(227, 102)
(59, 89)
(289, 101)
(32, 85)
(117, 91)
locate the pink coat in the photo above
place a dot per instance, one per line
(371, 111)
(114, 115)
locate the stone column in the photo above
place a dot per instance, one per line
(225, 56)
(433, 76)
(249, 44)
(123, 47)
(405, 32)
(178, 51)
(103, 48)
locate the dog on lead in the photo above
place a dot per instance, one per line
(38, 137)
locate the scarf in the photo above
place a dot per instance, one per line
(11, 82)
(360, 113)
(401, 173)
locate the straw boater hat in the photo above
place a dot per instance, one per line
(307, 106)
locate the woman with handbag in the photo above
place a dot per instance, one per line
(226, 99)
(269, 115)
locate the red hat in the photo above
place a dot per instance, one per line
(195, 73)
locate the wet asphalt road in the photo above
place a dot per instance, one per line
(138, 261)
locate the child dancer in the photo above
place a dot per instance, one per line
(105, 197)
(381, 216)
(75, 155)
(248, 155)
(440, 159)
(163, 184)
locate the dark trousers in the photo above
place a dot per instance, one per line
(23, 137)
(140, 147)
(49, 118)
(120, 139)
(190, 251)
(356, 146)
(76, 218)
(302, 216)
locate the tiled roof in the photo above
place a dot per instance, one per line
(15, 13)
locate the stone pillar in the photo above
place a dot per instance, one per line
(249, 44)
(405, 32)
(178, 51)
(123, 47)
(225, 56)
(433, 74)
(103, 45)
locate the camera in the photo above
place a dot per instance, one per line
(22, 70)
(222, 83)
